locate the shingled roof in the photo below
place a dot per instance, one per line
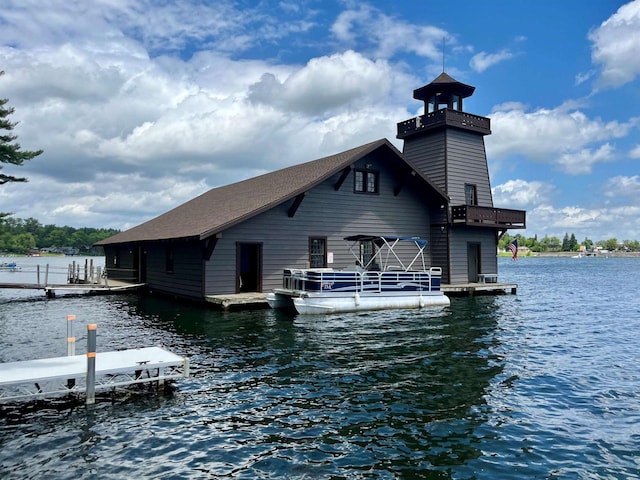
(223, 207)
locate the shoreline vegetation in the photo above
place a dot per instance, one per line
(615, 254)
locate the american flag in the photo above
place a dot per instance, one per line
(513, 246)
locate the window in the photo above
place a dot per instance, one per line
(168, 260)
(317, 252)
(367, 251)
(365, 181)
(470, 194)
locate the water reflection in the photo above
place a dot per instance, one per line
(398, 393)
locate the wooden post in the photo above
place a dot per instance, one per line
(38, 273)
(46, 275)
(86, 271)
(91, 277)
(91, 363)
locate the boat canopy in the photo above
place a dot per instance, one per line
(380, 239)
(388, 244)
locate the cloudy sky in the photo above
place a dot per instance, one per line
(142, 105)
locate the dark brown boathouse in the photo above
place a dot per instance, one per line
(239, 237)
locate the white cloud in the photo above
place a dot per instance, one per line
(582, 162)
(635, 152)
(483, 60)
(561, 137)
(622, 186)
(616, 44)
(384, 36)
(521, 194)
(327, 83)
(595, 223)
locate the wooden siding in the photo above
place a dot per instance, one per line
(186, 278)
(119, 262)
(467, 163)
(460, 238)
(440, 249)
(428, 153)
(323, 212)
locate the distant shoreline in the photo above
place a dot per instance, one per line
(573, 254)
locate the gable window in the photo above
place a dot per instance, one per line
(470, 195)
(365, 181)
(168, 260)
(317, 252)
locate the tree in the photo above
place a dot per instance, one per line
(10, 152)
(573, 243)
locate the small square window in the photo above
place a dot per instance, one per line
(365, 181)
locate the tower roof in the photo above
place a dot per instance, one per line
(443, 84)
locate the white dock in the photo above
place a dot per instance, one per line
(65, 375)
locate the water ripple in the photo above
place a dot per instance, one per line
(544, 384)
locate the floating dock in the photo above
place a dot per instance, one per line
(78, 374)
(48, 377)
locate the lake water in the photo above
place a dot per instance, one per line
(544, 384)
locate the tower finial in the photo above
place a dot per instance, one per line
(443, 54)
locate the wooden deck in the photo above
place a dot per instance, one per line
(50, 290)
(257, 300)
(471, 289)
(238, 301)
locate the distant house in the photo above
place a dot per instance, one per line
(239, 237)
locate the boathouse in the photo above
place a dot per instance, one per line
(239, 237)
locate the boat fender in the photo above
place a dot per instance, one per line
(421, 301)
(356, 299)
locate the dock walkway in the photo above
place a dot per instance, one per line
(259, 300)
(66, 375)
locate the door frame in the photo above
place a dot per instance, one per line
(248, 252)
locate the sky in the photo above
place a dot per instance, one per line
(142, 105)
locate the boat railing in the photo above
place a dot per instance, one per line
(326, 280)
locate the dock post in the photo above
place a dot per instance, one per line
(71, 346)
(86, 271)
(91, 364)
(71, 340)
(46, 275)
(38, 273)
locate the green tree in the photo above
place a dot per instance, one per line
(573, 243)
(550, 244)
(565, 243)
(610, 244)
(10, 151)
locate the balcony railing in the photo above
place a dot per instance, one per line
(442, 117)
(472, 215)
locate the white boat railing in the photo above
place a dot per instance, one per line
(329, 280)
